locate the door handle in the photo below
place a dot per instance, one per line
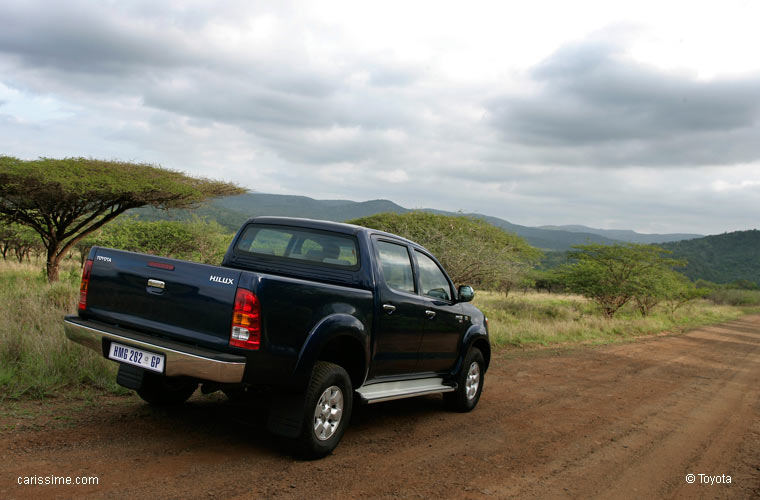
(430, 314)
(389, 308)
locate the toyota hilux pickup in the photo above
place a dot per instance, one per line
(314, 315)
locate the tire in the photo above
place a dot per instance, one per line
(165, 391)
(469, 383)
(327, 411)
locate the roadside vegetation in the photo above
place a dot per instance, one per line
(599, 294)
(542, 319)
(36, 360)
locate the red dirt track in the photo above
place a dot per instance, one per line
(628, 420)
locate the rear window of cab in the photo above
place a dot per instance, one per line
(295, 243)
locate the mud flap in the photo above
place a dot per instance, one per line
(286, 414)
(130, 376)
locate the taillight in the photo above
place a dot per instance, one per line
(246, 321)
(85, 285)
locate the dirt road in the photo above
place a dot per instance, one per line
(619, 421)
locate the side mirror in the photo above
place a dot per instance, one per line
(465, 293)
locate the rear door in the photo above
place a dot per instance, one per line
(399, 323)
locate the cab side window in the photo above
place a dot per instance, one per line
(396, 266)
(433, 281)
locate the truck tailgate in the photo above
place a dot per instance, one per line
(175, 299)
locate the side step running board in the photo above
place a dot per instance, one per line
(387, 391)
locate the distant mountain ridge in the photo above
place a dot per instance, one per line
(252, 204)
(232, 211)
(303, 206)
(342, 210)
(626, 234)
(721, 258)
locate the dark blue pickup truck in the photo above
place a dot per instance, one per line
(310, 315)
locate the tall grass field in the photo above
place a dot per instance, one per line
(531, 319)
(36, 359)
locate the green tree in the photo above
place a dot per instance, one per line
(20, 240)
(473, 251)
(7, 237)
(551, 280)
(612, 275)
(64, 200)
(197, 239)
(27, 242)
(679, 291)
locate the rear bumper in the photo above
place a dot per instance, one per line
(180, 359)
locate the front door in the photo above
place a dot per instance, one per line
(444, 322)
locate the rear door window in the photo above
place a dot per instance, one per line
(321, 247)
(396, 266)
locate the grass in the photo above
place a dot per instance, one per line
(531, 318)
(36, 359)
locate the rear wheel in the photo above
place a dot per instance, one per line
(160, 391)
(327, 410)
(469, 383)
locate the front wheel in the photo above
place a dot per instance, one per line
(160, 391)
(469, 383)
(327, 411)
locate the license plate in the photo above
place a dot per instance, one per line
(138, 357)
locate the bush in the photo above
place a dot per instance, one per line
(198, 239)
(733, 297)
(471, 250)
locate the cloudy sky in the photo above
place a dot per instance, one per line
(644, 115)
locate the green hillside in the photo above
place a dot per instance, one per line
(722, 258)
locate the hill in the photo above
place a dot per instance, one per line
(722, 258)
(234, 210)
(342, 210)
(303, 206)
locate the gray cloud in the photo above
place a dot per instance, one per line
(592, 106)
(79, 37)
(141, 81)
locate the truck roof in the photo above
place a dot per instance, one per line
(325, 225)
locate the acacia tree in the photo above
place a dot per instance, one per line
(64, 200)
(19, 240)
(679, 291)
(612, 275)
(7, 237)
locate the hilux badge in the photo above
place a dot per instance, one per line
(219, 279)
